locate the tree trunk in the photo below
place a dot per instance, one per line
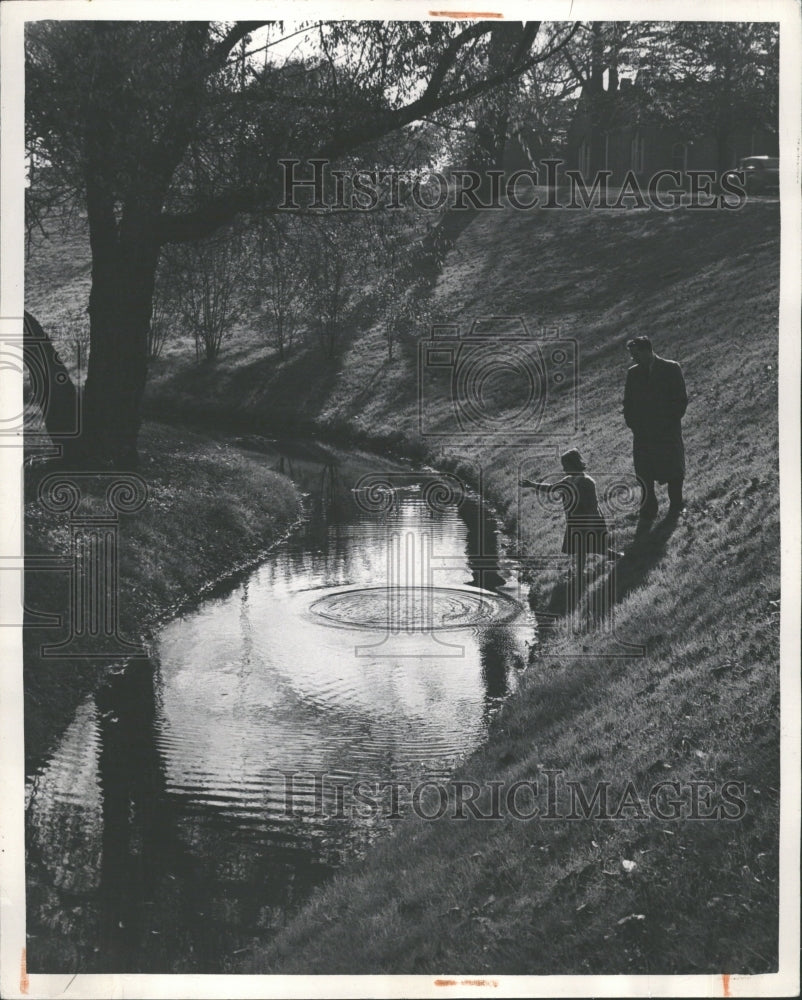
(725, 117)
(124, 259)
(597, 58)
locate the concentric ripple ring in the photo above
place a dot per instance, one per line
(415, 609)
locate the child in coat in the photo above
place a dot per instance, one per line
(585, 528)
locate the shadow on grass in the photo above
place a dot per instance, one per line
(647, 549)
(643, 251)
(265, 395)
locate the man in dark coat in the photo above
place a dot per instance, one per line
(654, 404)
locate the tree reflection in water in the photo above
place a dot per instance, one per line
(158, 840)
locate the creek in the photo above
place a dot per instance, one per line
(278, 728)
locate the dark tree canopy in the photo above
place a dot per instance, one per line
(164, 109)
(703, 77)
(167, 132)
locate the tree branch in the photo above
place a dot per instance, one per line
(447, 59)
(417, 109)
(220, 51)
(575, 69)
(187, 226)
(528, 36)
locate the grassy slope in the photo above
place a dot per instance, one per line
(546, 896)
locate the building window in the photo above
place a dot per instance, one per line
(679, 156)
(637, 153)
(584, 158)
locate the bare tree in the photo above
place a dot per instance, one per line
(151, 125)
(165, 308)
(334, 248)
(206, 276)
(280, 281)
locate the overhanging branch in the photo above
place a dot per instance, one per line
(188, 226)
(447, 59)
(220, 51)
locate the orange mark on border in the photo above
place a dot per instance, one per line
(466, 982)
(24, 982)
(462, 14)
(725, 982)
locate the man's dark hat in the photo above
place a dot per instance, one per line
(572, 461)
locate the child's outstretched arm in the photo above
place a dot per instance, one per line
(536, 486)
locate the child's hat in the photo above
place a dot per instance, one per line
(572, 461)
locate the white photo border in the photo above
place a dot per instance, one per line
(14, 980)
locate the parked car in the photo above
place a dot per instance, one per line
(761, 173)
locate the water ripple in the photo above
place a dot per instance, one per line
(415, 609)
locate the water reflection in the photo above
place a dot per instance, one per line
(164, 833)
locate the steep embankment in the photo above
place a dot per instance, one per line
(702, 284)
(634, 894)
(548, 895)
